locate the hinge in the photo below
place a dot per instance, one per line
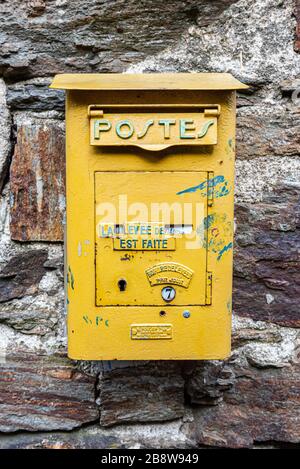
(95, 110)
(213, 111)
(210, 189)
(208, 292)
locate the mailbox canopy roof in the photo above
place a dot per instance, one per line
(147, 81)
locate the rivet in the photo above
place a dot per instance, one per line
(186, 314)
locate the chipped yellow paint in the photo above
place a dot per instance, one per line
(115, 273)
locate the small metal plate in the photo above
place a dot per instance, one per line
(151, 331)
(171, 273)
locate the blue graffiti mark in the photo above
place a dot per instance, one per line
(222, 191)
(208, 221)
(223, 250)
(219, 233)
(217, 186)
(210, 183)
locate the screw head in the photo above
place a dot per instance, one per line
(186, 314)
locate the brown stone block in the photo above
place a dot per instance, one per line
(149, 393)
(22, 274)
(260, 407)
(206, 382)
(38, 183)
(267, 262)
(45, 393)
(41, 41)
(268, 134)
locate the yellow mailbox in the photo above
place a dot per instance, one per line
(150, 185)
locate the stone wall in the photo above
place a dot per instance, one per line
(250, 400)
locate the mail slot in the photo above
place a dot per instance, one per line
(149, 226)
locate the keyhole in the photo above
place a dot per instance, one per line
(122, 284)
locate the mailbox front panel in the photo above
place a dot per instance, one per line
(149, 285)
(161, 242)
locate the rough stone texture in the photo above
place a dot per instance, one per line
(148, 393)
(256, 390)
(251, 400)
(289, 86)
(297, 15)
(254, 40)
(4, 134)
(35, 95)
(38, 182)
(258, 178)
(89, 36)
(267, 261)
(161, 435)
(22, 274)
(271, 132)
(263, 345)
(261, 407)
(31, 315)
(40, 393)
(206, 382)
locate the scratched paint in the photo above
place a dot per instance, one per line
(231, 144)
(219, 234)
(127, 257)
(217, 186)
(230, 148)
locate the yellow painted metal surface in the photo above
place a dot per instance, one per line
(146, 249)
(153, 130)
(147, 81)
(149, 233)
